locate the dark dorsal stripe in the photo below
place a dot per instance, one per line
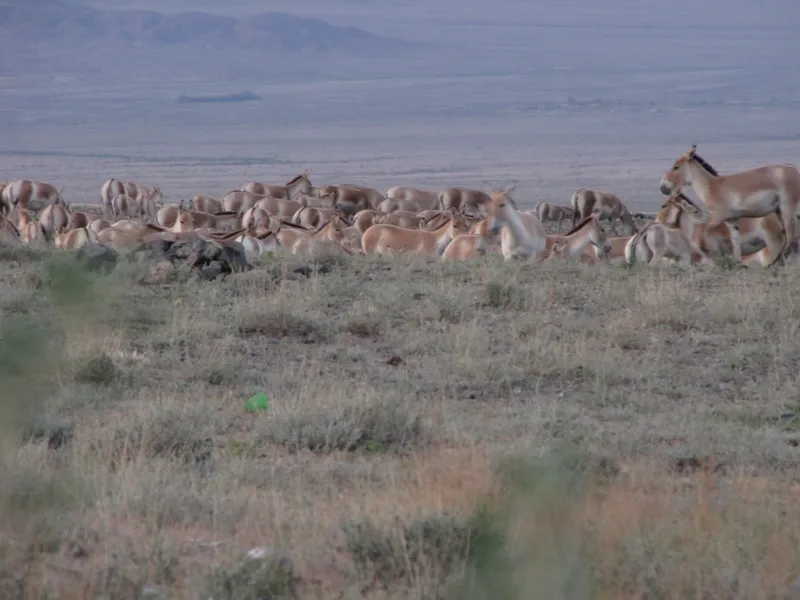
(702, 162)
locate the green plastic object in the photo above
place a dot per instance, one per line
(257, 403)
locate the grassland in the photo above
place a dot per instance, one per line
(479, 430)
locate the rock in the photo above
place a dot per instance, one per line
(213, 270)
(294, 276)
(187, 251)
(150, 251)
(303, 270)
(236, 256)
(97, 257)
(209, 258)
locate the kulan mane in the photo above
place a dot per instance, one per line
(579, 225)
(685, 198)
(295, 180)
(702, 162)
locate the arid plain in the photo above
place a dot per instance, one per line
(465, 430)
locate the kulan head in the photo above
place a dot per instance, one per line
(498, 209)
(459, 224)
(674, 206)
(598, 236)
(678, 176)
(158, 197)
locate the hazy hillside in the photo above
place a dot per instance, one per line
(52, 36)
(556, 93)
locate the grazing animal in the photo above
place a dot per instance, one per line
(347, 199)
(8, 232)
(364, 219)
(400, 218)
(75, 238)
(112, 188)
(54, 219)
(30, 232)
(240, 201)
(167, 215)
(522, 235)
(336, 230)
(123, 205)
(476, 242)
(311, 216)
(5, 207)
(760, 238)
(655, 242)
(324, 201)
(391, 205)
(681, 213)
(78, 219)
(615, 253)
(769, 189)
(545, 211)
(438, 219)
(297, 185)
(279, 207)
(258, 243)
(149, 202)
(128, 238)
(374, 197)
(30, 195)
(584, 202)
(98, 225)
(223, 220)
(465, 201)
(425, 199)
(127, 224)
(314, 246)
(587, 233)
(206, 204)
(391, 238)
(257, 218)
(137, 191)
(331, 230)
(289, 233)
(429, 215)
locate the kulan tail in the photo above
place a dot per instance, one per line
(576, 210)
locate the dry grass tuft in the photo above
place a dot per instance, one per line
(280, 324)
(98, 369)
(371, 425)
(430, 549)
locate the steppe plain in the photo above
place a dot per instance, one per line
(475, 430)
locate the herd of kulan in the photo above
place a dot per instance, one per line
(749, 216)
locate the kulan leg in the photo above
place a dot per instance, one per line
(643, 252)
(736, 242)
(781, 254)
(788, 216)
(612, 222)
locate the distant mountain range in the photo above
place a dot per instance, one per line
(53, 35)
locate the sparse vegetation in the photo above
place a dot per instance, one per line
(651, 415)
